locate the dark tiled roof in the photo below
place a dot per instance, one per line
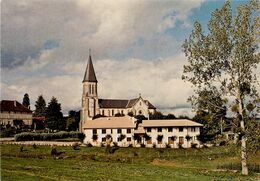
(121, 103)
(150, 106)
(112, 103)
(15, 106)
(90, 75)
(132, 102)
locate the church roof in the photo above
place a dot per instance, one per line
(14, 106)
(90, 75)
(112, 103)
(121, 103)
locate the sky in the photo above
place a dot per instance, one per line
(135, 48)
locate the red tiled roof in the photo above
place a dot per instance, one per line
(15, 106)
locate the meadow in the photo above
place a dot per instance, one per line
(92, 163)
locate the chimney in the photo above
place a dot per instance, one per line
(14, 103)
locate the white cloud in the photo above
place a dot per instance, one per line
(158, 81)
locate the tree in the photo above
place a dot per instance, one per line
(40, 107)
(223, 61)
(54, 117)
(73, 120)
(26, 100)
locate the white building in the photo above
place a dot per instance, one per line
(173, 133)
(14, 113)
(151, 133)
(115, 129)
(92, 105)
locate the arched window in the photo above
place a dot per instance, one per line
(140, 112)
(89, 89)
(93, 90)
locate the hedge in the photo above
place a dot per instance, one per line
(27, 136)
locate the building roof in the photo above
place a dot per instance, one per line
(15, 106)
(140, 129)
(169, 123)
(121, 103)
(112, 103)
(110, 122)
(90, 75)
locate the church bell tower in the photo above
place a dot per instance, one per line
(89, 106)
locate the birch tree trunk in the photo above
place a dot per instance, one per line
(243, 139)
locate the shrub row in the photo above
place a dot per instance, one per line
(27, 136)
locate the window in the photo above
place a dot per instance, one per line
(181, 139)
(118, 139)
(104, 139)
(159, 129)
(103, 112)
(119, 130)
(128, 139)
(180, 129)
(149, 129)
(170, 140)
(89, 89)
(111, 131)
(140, 103)
(140, 112)
(122, 112)
(192, 129)
(128, 131)
(93, 89)
(103, 131)
(170, 129)
(112, 112)
(94, 131)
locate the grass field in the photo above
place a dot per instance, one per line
(125, 164)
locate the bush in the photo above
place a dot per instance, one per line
(27, 136)
(168, 145)
(89, 145)
(75, 146)
(194, 145)
(142, 145)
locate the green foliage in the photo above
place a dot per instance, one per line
(156, 115)
(54, 117)
(28, 136)
(92, 163)
(72, 122)
(40, 107)
(26, 100)
(221, 66)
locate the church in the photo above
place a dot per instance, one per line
(107, 120)
(92, 105)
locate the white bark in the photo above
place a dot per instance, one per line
(243, 139)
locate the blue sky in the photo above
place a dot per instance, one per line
(135, 45)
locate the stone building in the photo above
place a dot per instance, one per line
(92, 105)
(13, 113)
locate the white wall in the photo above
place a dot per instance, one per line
(153, 134)
(114, 134)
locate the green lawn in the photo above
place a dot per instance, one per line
(125, 164)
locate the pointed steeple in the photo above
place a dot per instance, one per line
(90, 75)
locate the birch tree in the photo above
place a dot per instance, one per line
(223, 61)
